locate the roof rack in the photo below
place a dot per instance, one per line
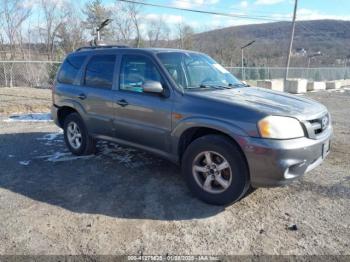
(100, 47)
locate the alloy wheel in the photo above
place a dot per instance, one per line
(212, 172)
(74, 135)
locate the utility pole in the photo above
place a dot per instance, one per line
(242, 63)
(291, 40)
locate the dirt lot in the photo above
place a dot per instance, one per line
(24, 100)
(123, 201)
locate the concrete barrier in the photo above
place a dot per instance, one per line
(334, 84)
(315, 86)
(296, 86)
(345, 83)
(275, 84)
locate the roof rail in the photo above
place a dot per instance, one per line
(100, 47)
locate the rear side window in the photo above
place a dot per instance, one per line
(70, 68)
(99, 71)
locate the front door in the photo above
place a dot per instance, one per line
(142, 118)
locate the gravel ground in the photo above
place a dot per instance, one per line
(24, 100)
(123, 201)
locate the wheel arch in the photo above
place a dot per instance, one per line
(68, 107)
(63, 112)
(193, 133)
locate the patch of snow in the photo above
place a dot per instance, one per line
(34, 117)
(24, 163)
(51, 138)
(128, 157)
(63, 156)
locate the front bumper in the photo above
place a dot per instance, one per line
(278, 162)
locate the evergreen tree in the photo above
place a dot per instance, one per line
(96, 13)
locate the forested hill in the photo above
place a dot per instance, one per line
(331, 37)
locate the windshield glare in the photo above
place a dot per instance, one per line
(191, 70)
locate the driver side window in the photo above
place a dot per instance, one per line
(135, 71)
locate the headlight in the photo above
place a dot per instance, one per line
(280, 127)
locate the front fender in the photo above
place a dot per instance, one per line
(234, 131)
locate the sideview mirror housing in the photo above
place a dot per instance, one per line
(150, 86)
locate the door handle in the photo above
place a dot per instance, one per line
(122, 102)
(82, 96)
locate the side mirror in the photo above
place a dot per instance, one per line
(150, 86)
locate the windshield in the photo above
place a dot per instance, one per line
(192, 70)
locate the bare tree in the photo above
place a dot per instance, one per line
(128, 21)
(185, 36)
(134, 13)
(157, 31)
(13, 14)
(54, 17)
(124, 28)
(71, 33)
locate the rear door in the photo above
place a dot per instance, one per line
(97, 95)
(142, 118)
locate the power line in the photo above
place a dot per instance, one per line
(291, 39)
(263, 13)
(203, 11)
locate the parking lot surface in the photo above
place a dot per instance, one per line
(124, 201)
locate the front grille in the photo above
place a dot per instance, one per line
(316, 127)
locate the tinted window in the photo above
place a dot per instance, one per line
(135, 70)
(70, 68)
(99, 71)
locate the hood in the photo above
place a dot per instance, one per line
(267, 101)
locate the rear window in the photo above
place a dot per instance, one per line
(99, 71)
(70, 68)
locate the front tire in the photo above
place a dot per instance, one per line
(76, 136)
(215, 170)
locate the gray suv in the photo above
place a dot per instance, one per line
(185, 107)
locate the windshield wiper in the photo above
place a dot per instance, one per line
(215, 86)
(237, 85)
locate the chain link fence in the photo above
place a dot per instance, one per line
(42, 73)
(27, 73)
(312, 74)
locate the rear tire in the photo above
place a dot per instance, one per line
(76, 137)
(215, 170)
